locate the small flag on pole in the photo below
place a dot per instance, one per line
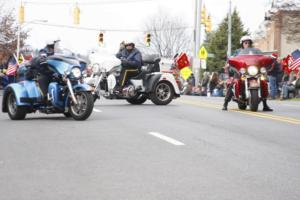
(12, 67)
(294, 60)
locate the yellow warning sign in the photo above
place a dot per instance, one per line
(202, 53)
(185, 73)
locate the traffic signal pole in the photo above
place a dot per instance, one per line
(197, 39)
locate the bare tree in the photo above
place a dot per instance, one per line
(8, 32)
(169, 35)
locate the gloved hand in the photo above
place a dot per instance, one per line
(42, 59)
(124, 62)
(55, 75)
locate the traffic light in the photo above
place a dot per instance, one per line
(148, 39)
(203, 15)
(208, 24)
(76, 15)
(101, 38)
(21, 14)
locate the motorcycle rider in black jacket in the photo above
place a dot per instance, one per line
(131, 61)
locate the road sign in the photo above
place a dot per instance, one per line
(202, 53)
(203, 64)
(211, 55)
(186, 73)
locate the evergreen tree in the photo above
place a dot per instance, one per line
(217, 41)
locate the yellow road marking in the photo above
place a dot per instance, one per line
(256, 114)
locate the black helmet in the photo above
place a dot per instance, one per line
(130, 44)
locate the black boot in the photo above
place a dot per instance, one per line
(228, 97)
(225, 105)
(265, 106)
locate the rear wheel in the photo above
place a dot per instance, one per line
(15, 112)
(137, 100)
(84, 107)
(254, 100)
(163, 93)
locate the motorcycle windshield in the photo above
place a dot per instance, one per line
(104, 60)
(250, 51)
(61, 64)
(250, 56)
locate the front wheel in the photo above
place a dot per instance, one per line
(163, 93)
(137, 100)
(242, 106)
(15, 112)
(84, 107)
(254, 100)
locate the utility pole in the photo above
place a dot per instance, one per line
(197, 39)
(229, 30)
(18, 42)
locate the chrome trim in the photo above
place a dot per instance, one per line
(71, 91)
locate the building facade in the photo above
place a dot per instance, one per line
(280, 32)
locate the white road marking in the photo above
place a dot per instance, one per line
(96, 110)
(167, 139)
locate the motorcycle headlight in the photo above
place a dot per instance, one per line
(76, 72)
(243, 70)
(263, 70)
(252, 70)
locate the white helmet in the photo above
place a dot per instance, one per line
(52, 41)
(245, 38)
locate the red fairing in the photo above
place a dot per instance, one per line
(242, 61)
(238, 87)
(264, 89)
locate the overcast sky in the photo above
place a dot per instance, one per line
(122, 14)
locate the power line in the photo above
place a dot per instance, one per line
(108, 30)
(84, 3)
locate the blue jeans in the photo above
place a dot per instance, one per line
(273, 86)
(286, 89)
(11, 79)
(4, 81)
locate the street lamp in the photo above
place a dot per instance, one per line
(19, 32)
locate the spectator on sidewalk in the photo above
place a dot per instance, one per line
(3, 69)
(273, 74)
(204, 83)
(212, 84)
(289, 82)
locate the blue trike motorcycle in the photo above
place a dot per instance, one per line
(64, 93)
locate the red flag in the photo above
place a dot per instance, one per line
(182, 61)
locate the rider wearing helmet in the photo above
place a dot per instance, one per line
(246, 42)
(131, 61)
(50, 47)
(38, 66)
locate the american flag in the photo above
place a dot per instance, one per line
(12, 67)
(294, 60)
